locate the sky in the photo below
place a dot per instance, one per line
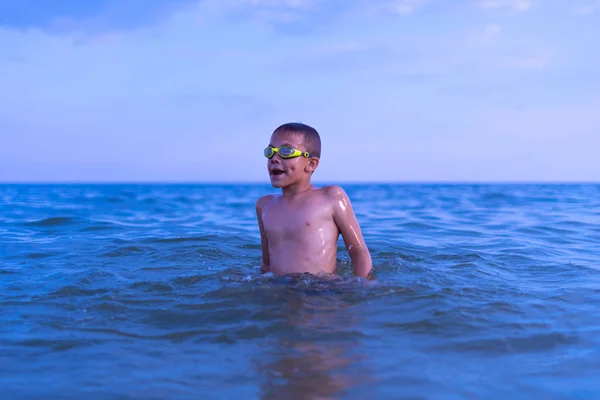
(400, 90)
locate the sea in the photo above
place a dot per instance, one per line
(153, 291)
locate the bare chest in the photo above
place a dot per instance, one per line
(283, 221)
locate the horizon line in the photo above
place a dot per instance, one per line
(339, 182)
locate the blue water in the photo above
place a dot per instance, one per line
(153, 292)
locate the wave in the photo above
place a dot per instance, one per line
(53, 222)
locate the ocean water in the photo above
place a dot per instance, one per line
(153, 292)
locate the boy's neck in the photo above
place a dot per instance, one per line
(296, 189)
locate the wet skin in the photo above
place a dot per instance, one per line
(300, 228)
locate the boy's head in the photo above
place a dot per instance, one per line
(293, 153)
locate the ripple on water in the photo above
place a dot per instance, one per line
(57, 345)
(53, 222)
(178, 240)
(38, 256)
(514, 344)
(127, 251)
(152, 286)
(72, 291)
(98, 226)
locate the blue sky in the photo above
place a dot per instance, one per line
(400, 90)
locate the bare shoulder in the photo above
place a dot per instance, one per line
(335, 193)
(337, 199)
(263, 201)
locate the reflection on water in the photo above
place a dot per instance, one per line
(314, 353)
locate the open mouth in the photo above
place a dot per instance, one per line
(277, 172)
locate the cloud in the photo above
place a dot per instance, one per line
(297, 4)
(279, 16)
(540, 61)
(492, 30)
(587, 9)
(297, 17)
(516, 5)
(487, 37)
(406, 6)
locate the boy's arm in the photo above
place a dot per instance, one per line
(266, 263)
(344, 217)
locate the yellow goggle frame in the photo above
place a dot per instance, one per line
(285, 152)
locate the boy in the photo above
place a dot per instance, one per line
(300, 228)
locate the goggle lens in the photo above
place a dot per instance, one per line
(284, 152)
(269, 152)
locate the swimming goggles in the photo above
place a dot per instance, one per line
(285, 152)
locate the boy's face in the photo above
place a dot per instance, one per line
(286, 171)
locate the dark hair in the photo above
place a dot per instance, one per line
(310, 136)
